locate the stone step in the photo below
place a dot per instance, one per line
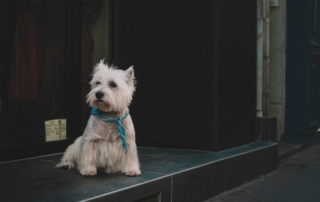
(167, 175)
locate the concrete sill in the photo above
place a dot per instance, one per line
(167, 174)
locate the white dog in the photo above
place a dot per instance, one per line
(108, 141)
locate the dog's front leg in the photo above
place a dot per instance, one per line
(131, 161)
(88, 159)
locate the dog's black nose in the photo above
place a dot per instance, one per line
(99, 95)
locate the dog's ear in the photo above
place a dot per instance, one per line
(130, 76)
(99, 66)
(130, 73)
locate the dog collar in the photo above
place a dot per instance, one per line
(105, 117)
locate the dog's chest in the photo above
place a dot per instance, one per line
(106, 130)
(110, 131)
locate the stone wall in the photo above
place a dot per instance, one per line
(277, 63)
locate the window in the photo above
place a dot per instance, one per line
(39, 70)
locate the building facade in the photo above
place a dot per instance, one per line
(205, 71)
(188, 60)
(292, 70)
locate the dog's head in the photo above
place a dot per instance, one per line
(111, 89)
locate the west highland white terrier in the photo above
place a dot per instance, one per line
(108, 141)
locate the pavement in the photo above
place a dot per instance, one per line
(297, 179)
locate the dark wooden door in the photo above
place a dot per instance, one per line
(302, 110)
(195, 63)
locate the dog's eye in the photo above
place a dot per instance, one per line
(112, 84)
(98, 83)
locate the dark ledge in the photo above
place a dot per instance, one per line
(167, 175)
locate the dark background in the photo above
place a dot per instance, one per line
(195, 63)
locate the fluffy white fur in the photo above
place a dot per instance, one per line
(100, 147)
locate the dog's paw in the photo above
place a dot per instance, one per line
(109, 170)
(88, 172)
(133, 173)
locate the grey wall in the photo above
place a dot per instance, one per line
(277, 63)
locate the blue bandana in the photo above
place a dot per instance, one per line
(104, 116)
